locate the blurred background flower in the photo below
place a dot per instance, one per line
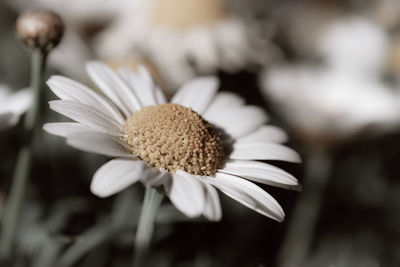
(345, 92)
(185, 38)
(13, 105)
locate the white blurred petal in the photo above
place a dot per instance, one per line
(339, 44)
(201, 47)
(71, 54)
(18, 102)
(235, 52)
(12, 105)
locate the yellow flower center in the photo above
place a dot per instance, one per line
(173, 137)
(187, 14)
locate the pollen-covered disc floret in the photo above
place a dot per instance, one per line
(173, 137)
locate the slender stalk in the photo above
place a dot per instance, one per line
(24, 160)
(296, 243)
(38, 61)
(144, 232)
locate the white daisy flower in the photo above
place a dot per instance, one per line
(183, 38)
(13, 105)
(199, 141)
(336, 101)
(325, 105)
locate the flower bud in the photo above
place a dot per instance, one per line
(41, 29)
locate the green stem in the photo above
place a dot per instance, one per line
(38, 61)
(144, 232)
(298, 238)
(24, 160)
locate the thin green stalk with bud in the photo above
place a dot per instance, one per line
(40, 31)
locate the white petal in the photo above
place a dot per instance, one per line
(115, 176)
(18, 102)
(113, 87)
(73, 52)
(187, 194)
(265, 133)
(236, 50)
(262, 173)
(86, 115)
(264, 151)
(141, 83)
(212, 209)
(222, 103)
(249, 194)
(67, 89)
(197, 94)
(99, 143)
(240, 121)
(65, 128)
(202, 48)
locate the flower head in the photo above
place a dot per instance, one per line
(13, 105)
(200, 141)
(173, 137)
(183, 38)
(330, 103)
